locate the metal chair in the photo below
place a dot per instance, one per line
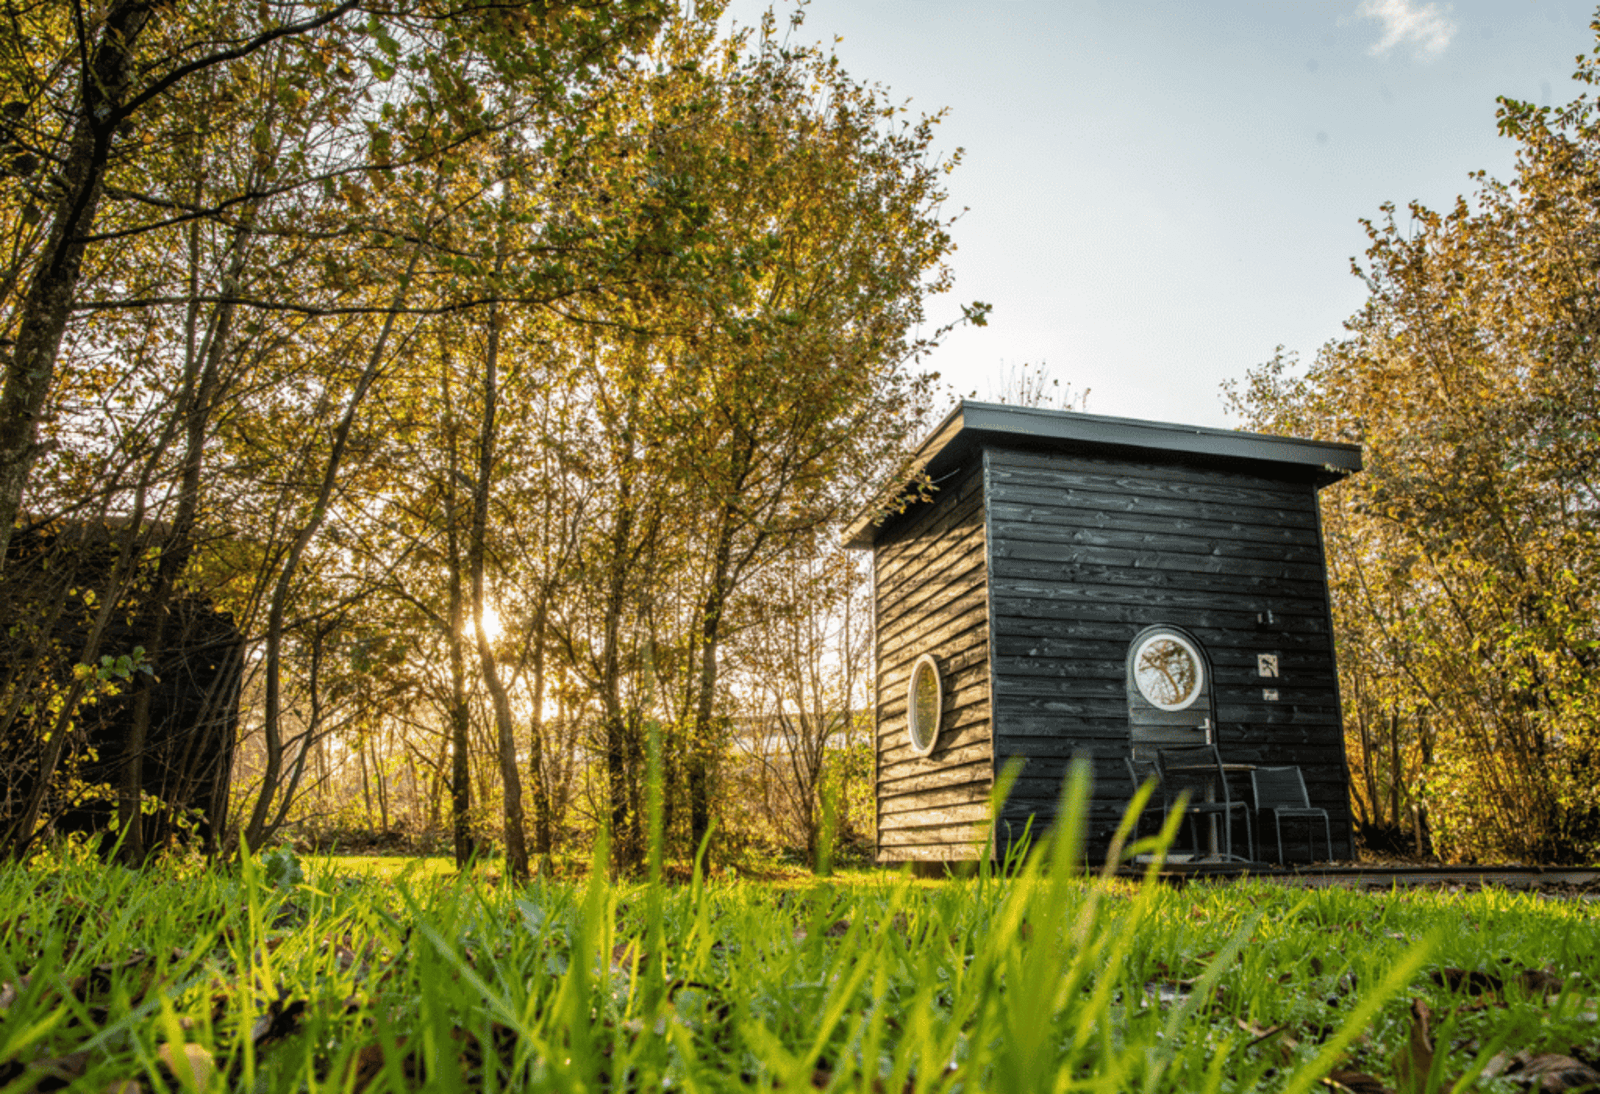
(1281, 791)
(1197, 771)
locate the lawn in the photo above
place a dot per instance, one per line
(361, 978)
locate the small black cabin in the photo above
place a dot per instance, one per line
(46, 616)
(1052, 548)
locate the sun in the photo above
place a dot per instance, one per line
(492, 626)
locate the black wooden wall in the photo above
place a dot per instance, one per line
(194, 693)
(930, 598)
(1085, 552)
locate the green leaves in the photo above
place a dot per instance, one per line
(1464, 557)
(123, 666)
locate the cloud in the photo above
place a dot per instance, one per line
(1427, 27)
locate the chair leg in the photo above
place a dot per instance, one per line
(1311, 838)
(1249, 838)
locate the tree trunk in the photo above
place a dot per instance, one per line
(455, 639)
(511, 779)
(366, 783)
(1394, 766)
(383, 793)
(312, 735)
(625, 849)
(705, 741)
(538, 784)
(460, 715)
(627, 852)
(1369, 774)
(47, 304)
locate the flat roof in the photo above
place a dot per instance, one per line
(971, 424)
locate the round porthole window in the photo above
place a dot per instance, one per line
(1169, 671)
(924, 698)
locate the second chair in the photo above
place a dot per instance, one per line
(1281, 791)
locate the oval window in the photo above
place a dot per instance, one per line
(924, 698)
(1168, 671)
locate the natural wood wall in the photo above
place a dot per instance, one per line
(930, 598)
(1085, 552)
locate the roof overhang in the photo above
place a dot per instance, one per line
(971, 425)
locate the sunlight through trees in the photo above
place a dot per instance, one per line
(356, 329)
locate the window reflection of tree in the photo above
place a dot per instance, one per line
(1167, 672)
(926, 696)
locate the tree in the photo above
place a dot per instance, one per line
(385, 320)
(110, 76)
(786, 378)
(1032, 385)
(300, 124)
(1464, 558)
(805, 648)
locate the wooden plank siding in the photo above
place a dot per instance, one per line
(1086, 551)
(930, 596)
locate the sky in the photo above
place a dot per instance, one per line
(1158, 194)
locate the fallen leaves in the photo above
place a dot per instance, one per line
(1415, 1065)
(1477, 982)
(372, 1060)
(1354, 1082)
(1546, 1071)
(1280, 1037)
(47, 1073)
(189, 1063)
(187, 1066)
(1417, 1058)
(279, 1020)
(10, 991)
(838, 929)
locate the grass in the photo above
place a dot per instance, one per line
(259, 978)
(411, 868)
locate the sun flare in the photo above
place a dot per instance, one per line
(492, 626)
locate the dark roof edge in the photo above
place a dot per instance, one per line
(998, 422)
(1162, 436)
